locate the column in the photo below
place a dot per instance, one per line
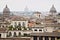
(37, 38)
(55, 38)
(49, 38)
(43, 38)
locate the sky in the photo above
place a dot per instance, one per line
(33, 5)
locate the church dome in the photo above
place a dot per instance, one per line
(6, 10)
(53, 10)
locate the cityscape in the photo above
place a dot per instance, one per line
(29, 25)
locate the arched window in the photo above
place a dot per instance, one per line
(35, 30)
(39, 16)
(15, 34)
(10, 34)
(15, 24)
(19, 34)
(19, 24)
(3, 26)
(23, 24)
(40, 29)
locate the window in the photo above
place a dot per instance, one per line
(40, 30)
(55, 21)
(40, 38)
(19, 24)
(46, 38)
(0, 35)
(23, 24)
(25, 34)
(39, 16)
(3, 26)
(19, 34)
(52, 38)
(14, 34)
(35, 38)
(10, 34)
(15, 24)
(35, 30)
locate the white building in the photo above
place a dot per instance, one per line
(19, 21)
(18, 33)
(3, 32)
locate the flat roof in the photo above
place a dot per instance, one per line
(46, 34)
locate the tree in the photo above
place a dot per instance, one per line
(10, 27)
(29, 28)
(19, 28)
(14, 28)
(24, 28)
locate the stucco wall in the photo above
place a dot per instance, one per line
(21, 22)
(3, 35)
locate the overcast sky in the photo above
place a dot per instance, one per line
(33, 5)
